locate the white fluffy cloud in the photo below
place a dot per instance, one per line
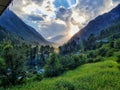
(52, 28)
(63, 20)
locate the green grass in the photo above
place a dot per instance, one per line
(103, 75)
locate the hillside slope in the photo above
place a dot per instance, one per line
(97, 76)
(98, 24)
(5, 34)
(14, 24)
(99, 69)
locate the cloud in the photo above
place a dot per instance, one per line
(35, 18)
(95, 7)
(53, 28)
(63, 13)
(39, 2)
(60, 17)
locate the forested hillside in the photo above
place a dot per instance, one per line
(89, 61)
(95, 64)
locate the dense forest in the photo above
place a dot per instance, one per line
(25, 63)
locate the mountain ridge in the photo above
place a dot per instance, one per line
(98, 24)
(11, 22)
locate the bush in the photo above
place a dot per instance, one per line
(83, 58)
(53, 67)
(70, 62)
(64, 85)
(118, 58)
(77, 60)
(37, 77)
(111, 44)
(91, 54)
(109, 53)
(117, 44)
(92, 60)
(97, 59)
(102, 51)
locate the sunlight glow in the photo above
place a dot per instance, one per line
(48, 9)
(77, 18)
(73, 30)
(77, 21)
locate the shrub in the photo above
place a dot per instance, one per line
(53, 67)
(77, 60)
(118, 58)
(111, 44)
(64, 85)
(97, 59)
(109, 53)
(37, 77)
(117, 44)
(91, 54)
(102, 51)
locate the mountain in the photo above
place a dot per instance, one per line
(98, 24)
(5, 34)
(59, 39)
(14, 24)
(56, 38)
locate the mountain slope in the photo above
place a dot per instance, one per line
(14, 24)
(60, 39)
(99, 24)
(5, 34)
(96, 76)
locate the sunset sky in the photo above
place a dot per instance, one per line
(53, 18)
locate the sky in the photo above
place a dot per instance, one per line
(54, 18)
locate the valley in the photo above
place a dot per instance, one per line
(90, 60)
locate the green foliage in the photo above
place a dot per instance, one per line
(102, 51)
(70, 62)
(97, 59)
(37, 77)
(53, 66)
(2, 64)
(112, 31)
(117, 44)
(64, 85)
(110, 53)
(92, 54)
(111, 44)
(12, 63)
(118, 58)
(95, 76)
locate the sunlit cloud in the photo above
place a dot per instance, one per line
(60, 17)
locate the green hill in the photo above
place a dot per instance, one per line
(99, 70)
(95, 76)
(92, 64)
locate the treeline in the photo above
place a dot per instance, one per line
(57, 64)
(93, 41)
(18, 61)
(14, 58)
(90, 50)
